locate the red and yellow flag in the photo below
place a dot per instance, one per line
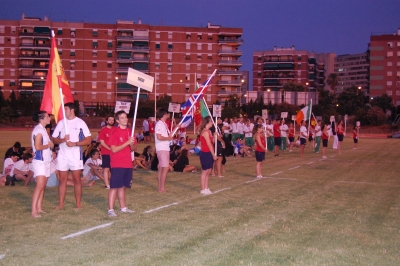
(56, 79)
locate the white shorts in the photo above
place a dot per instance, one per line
(63, 164)
(40, 168)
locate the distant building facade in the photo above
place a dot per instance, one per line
(96, 58)
(385, 66)
(352, 70)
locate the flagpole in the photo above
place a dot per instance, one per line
(134, 115)
(194, 124)
(59, 84)
(155, 99)
(191, 106)
(209, 113)
(309, 118)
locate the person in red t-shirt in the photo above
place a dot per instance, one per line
(277, 136)
(261, 148)
(355, 136)
(121, 143)
(152, 126)
(104, 136)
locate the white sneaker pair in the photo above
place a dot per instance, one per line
(259, 176)
(324, 157)
(206, 191)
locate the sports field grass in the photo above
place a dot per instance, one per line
(344, 210)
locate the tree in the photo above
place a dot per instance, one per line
(375, 116)
(293, 87)
(332, 81)
(384, 102)
(350, 100)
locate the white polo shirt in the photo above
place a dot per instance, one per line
(86, 167)
(318, 132)
(240, 127)
(20, 165)
(248, 129)
(42, 155)
(162, 129)
(284, 128)
(77, 130)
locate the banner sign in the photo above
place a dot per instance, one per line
(174, 108)
(140, 80)
(125, 106)
(265, 114)
(217, 110)
(284, 114)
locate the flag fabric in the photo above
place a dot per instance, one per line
(313, 121)
(196, 100)
(304, 114)
(56, 79)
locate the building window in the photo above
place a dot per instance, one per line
(170, 47)
(389, 54)
(1, 72)
(198, 67)
(389, 83)
(94, 64)
(187, 89)
(398, 74)
(209, 47)
(209, 67)
(389, 73)
(210, 37)
(199, 46)
(298, 65)
(187, 46)
(209, 57)
(72, 53)
(169, 57)
(169, 87)
(108, 85)
(389, 63)
(390, 44)
(12, 62)
(94, 45)
(169, 68)
(59, 42)
(94, 85)
(157, 34)
(73, 33)
(72, 74)
(157, 66)
(199, 36)
(1, 40)
(109, 54)
(12, 72)
(169, 76)
(157, 46)
(72, 65)
(187, 66)
(389, 93)
(199, 57)
(109, 44)
(169, 35)
(187, 56)
(109, 32)
(398, 53)
(198, 77)
(109, 75)
(1, 29)
(72, 84)
(1, 51)
(188, 36)
(94, 53)
(94, 74)
(109, 65)
(299, 58)
(59, 52)
(12, 51)
(12, 83)
(258, 74)
(108, 96)
(157, 55)
(187, 77)
(95, 33)
(93, 95)
(59, 32)
(72, 42)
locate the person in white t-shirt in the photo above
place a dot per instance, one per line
(22, 170)
(41, 145)
(248, 133)
(227, 128)
(284, 130)
(92, 170)
(318, 134)
(163, 136)
(303, 137)
(240, 127)
(70, 155)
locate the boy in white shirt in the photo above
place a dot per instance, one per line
(21, 170)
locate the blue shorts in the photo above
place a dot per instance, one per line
(121, 177)
(260, 156)
(105, 161)
(277, 141)
(206, 160)
(340, 137)
(303, 141)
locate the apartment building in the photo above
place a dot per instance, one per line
(352, 70)
(385, 65)
(96, 58)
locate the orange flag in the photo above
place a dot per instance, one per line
(56, 79)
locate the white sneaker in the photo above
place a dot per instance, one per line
(206, 191)
(209, 191)
(126, 210)
(111, 213)
(324, 157)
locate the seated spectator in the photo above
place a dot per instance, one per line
(14, 149)
(154, 163)
(139, 137)
(52, 181)
(21, 170)
(146, 155)
(2, 180)
(182, 163)
(92, 169)
(188, 140)
(138, 161)
(173, 156)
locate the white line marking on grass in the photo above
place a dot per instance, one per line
(86, 231)
(310, 162)
(367, 183)
(294, 168)
(221, 190)
(277, 173)
(285, 178)
(254, 180)
(162, 207)
(2, 256)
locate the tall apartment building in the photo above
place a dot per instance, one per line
(273, 69)
(352, 70)
(385, 66)
(96, 58)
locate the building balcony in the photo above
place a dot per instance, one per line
(229, 63)
(30, 77)
(230, 72)
(34, 66)
(320, 69)
(279, 66)
(132, 59)
(281, 60)
(36, 34)
(122, 70)
(132, 38)
(229, 83)
(230, 52)
(34, 88)
(236, 41)
(33, 56)
(33, 45)
(279, 76)
(144, 49)
(225, 93)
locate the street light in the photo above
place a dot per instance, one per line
(359, 88)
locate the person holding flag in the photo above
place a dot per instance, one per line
(318, 134)
(70, 134)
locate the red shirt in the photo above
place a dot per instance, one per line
(340, 130)
(168, 122)
(325, 135)
(204, 146)
(291, 132)
(104, 135)
(151, 127)
(277, 131)
(354, 134)
(258, 148)
(121, 159)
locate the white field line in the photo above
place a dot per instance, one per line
(310, 162)
(283, 178)
(221, 190)
(294, 167)
(250, 181)
(162, 207)
(277, 173)
(86, 231)
(2, 256)
(367, 183)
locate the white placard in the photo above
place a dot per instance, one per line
(217, 110)
(293, 117)
(358, 123)
(264, 114)
(140, 80)
(332, 118)
(125, 106)
(174, 108)
(284, 114)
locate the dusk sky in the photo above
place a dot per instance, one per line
(322, 26)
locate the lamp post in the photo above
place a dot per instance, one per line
(358, 89)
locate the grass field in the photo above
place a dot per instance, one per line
(344, 210)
